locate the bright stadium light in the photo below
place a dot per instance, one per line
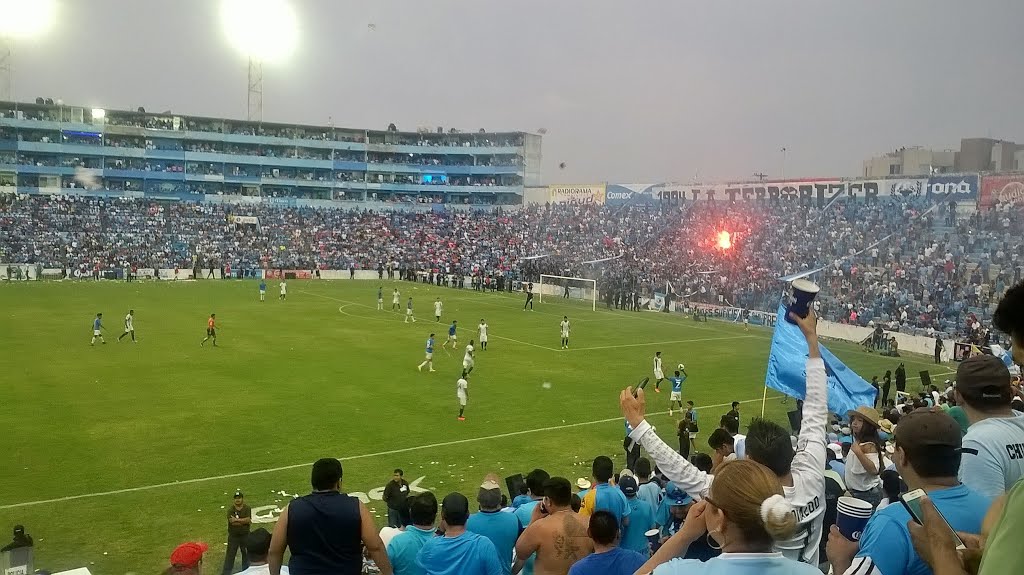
(26, 18)
(20, 19)
(263, 30)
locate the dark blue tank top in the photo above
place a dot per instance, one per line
(324, 534)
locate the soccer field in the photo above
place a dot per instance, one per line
(116, 453)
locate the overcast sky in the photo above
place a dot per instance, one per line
(628, 91)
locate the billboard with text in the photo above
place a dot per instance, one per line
(576, 194)
(953, 187)
(1001, 190)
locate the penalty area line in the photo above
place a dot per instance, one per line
(465, 441)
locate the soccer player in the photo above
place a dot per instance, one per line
(263, 290)
(483, 334)
(129, 325)
(437, 309)
(408, 311)
(565, 331)
(467, 360)
(452, 337)
(677, 389)
(746, 319)
(284, 291)
(396, 304)
(429, 361)
(211, 330)
(462, 392)
(97, 327)
(529, 297)
(659, 375)
(380, 299)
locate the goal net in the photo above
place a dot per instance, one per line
(568, 288)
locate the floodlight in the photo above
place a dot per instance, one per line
(26, 18)
(265, 30)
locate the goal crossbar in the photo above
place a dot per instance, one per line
(554, 286)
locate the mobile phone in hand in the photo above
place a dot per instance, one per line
(643, 383)
(912, 502)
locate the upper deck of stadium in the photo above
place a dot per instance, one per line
(43, 146)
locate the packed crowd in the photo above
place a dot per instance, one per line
(898, 262)
(932, 485)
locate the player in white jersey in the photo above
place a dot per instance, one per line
(659, 374)
(408, 312)
(284, 291)
(462, 392)
(437, 309)
(565, 331)
(467, 360)
(395, 305)
(129, 326)
(768, 443)
(483, 334)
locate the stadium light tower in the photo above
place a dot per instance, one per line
(264, 31)
(20, 19)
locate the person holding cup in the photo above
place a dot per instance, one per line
(927, 456)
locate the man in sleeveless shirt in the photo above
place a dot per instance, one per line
(326, 530)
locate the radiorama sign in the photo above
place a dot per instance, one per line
(269, 513)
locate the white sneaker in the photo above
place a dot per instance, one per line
(670, 413)
(419, 368)
(432, 370)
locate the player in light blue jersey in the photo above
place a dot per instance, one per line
(429, 361)
(452, 337)
(677, 389)
(408, 312)
(263, 290)
(97, 329)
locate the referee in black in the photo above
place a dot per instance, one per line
(239, 522)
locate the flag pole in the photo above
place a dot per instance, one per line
(764, 398)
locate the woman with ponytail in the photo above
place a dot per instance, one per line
(865, 462)
(744, 514)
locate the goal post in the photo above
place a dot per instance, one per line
(564, 287)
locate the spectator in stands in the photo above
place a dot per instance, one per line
(746, 513)
(732, 425)
(993, 453)
(647, 489)
(257, 543)
(604, 495)
(326, 530)
(641, 518)
(501, 528)
(19, 541)
(721, 444)
(459, 551)
(187, 559)
(1009, 319)
(535, 481)
(405, 546)
(769, 444)
(395, 494)
(608, 557)
(865, 464)
(927, 457)
(556, 535)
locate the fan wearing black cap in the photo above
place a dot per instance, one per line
(239, 522)
(458, 551)
(994, 445)
(20, 540)
(927, 456)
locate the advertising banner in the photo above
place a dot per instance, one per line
(1001, 190)
(576, 194)
(956, 187)
(818, 193)
(630, 194)
(247, 220)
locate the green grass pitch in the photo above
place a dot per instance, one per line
(116, 453)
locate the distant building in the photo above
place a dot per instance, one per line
(915, 161)
(54, 148)
(975, 155)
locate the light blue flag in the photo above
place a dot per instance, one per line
(787, 370)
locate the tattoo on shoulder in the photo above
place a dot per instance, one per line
(567, 543)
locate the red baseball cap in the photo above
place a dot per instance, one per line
(188, 554)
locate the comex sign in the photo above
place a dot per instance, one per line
(269, 513)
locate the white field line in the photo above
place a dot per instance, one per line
(658, 342)
(349, 458)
